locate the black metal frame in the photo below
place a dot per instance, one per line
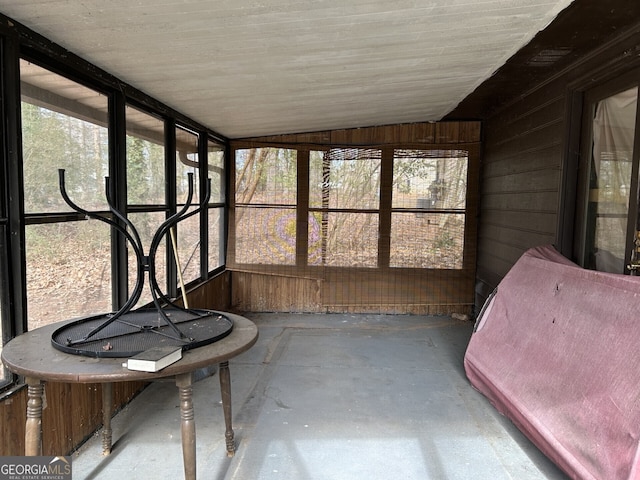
(75, 338)
(12, 251)
(16, 42)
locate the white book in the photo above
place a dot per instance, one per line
(155, 358)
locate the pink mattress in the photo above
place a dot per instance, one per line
(557, 350)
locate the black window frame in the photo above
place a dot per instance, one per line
(18, 43)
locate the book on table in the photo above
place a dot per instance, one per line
(155, 358)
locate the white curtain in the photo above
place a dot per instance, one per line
(613, 136)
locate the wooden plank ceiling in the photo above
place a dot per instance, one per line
(251, 68)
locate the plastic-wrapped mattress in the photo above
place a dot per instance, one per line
(557, 350)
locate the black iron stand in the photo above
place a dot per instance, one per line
(127, 332)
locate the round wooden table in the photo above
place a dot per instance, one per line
(32, 355)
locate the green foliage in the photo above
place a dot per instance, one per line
(444, 240)
(52, 141)
(85, 238)
(145, 172)
(266, 175)
(137, 190)
(407, 170)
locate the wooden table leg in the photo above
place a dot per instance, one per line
(185, 389)
(33, 429)
(225, 390)
(107, 411)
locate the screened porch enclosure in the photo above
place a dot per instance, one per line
(362, 220)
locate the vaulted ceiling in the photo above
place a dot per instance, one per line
(258, 67)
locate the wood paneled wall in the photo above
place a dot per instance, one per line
(378, 290)
(520, 183)
(72, 412)
(344, 290)
(275, 292)
(421, 134)
(529, 163)
(214, 294)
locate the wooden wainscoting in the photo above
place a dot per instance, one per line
(71, 413)
(347, 290)
(273, 292)
(215, 293)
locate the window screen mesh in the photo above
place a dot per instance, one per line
(345, 178)
(351, 229)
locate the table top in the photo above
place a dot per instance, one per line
(32, 355)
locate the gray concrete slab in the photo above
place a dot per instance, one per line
(330, 397)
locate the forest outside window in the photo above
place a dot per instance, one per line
(428, 208)
(344, 198)
(215, 224)
(266, 182)
(146, 192)
(348, 217)
(64, 125)
(188, 230)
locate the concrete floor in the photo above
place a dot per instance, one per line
(329, 397)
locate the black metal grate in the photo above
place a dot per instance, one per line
(139, 330)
